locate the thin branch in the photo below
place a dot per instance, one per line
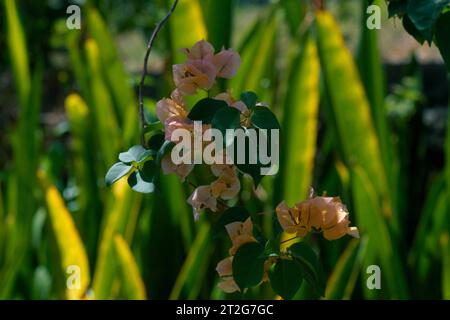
(319, 4)
(144, 69)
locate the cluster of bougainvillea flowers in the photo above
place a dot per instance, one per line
(252, 259)
(199, 72)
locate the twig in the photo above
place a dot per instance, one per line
(319, 4)
(144, 69)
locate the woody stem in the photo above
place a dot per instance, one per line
(145, 71)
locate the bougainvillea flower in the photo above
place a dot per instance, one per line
(225, 270)
(337, 223)
(240, 233)
(202, 50)
(227, 62)
(202, 198)
(223, 169)
(177, 122)
(171, 107)
(290, 220)
(325, 214)
(226, 187)
(194, 75)
(181, 170)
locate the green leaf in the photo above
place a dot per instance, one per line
(397, 8)
(442, 41)
(294, 12)
(230, 215)
(205, 109)
(308, 260)
(138, 184)
(445, 266)
(257, 57)
(18, 52)
(166, 147)
(226, 118)
(342, 280)
(115, 76)
(133, 286)
(117, 171)
(106, 127)
(135, 154)
(248, 265)
(156, 141)
(286, 277)
(424, 14)
(218, 16)
(249, 98)
(381, 244)
(263, 118)
(412, 30)
(191, 277)
(143, 181)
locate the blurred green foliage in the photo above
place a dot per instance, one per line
(342, 134)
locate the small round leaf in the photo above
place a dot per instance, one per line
(117, 171)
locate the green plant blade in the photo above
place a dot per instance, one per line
(132, 285)
(189, 280)
(342, 280)
(219, 21)
(300, 124)
(367, 208)
(187, 16)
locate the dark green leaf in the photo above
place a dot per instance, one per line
(263, 118)
(148, 171)
(442, 37)
(412, 30)
(309, 262)
(249, 98)
(397, 8)
(117, 171)
(286, 278)
(226, 118)
(424, 14)
(205, 109)
(248, 265)
(156, 141)
(166, 147)
(254, 170)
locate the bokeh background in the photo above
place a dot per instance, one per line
(68, 106)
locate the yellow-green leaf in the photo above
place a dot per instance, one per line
(349, 106)
(187, 26)
(69, 243)
(300, 124)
